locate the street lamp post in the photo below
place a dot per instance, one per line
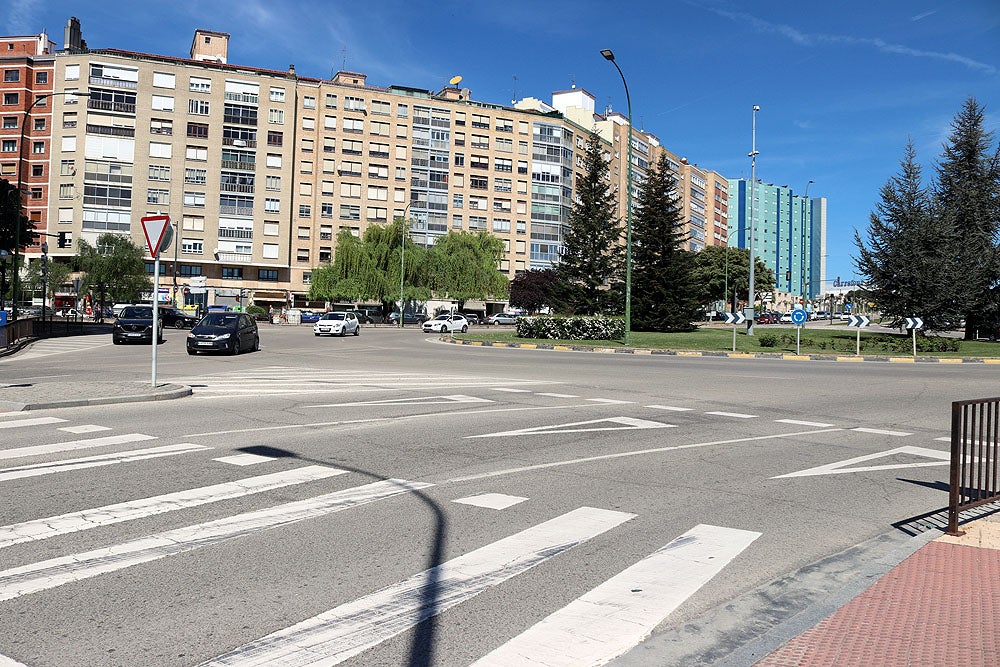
(20, 184)
(402, 262)
(753, 182)
(802, 254)
(609, 55)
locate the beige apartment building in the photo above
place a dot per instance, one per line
(261, 169)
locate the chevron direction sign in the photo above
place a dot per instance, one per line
(858, 321)
(914, 323)
(735, 318)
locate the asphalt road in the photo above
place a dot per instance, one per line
(525, 484)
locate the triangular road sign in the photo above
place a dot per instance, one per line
(154, 227)
(940, 459)
(609, 424)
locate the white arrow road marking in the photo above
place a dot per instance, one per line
(40, 529)
(54, 572)
(347, 630)
(84, 428)
(413, 400)
(38, 450)
(941, 459)
(620, 424)
(38, 469)
(624, 610)
(493, 501)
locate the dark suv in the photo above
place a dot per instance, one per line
(408, 318)
(135, 324)
(177, 318)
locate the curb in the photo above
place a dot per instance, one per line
(169, 392)
(786, 356)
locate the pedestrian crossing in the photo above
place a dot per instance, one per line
(48, 347)
(605, 622)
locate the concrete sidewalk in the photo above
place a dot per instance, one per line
(939, 607)
(44, 395)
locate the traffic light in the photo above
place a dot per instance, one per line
(63, 239)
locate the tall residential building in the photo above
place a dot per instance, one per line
(789, 233)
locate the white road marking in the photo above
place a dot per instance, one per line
(85, 428)
(947, 438)
(840, 467)
(33, 421)
(798, 422)
(511, 390)
(49, 347)
(610, 401)
(412, 400)
(55, 572)
(617, 615)
(878, 431)
(10, 662)
(351, 628)
(551, 395)
(37, 450)
(493, 501)
(737, 415)
(641, 452)
(244, 459)
(669, 407)
(620, 423)
(38, 469)
(73, 522)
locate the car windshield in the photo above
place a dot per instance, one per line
(333, 316)
(442, 317)
(133, 313)
(220, 319)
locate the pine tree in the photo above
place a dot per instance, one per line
(968, 195)
(589, 272)
(664, 297)
(906, 263)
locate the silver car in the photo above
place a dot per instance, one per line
(501, 318)
(337, 323)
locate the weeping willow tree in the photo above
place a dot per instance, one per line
(463, 266)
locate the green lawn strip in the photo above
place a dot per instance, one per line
(826, 340)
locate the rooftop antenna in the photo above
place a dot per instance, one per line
(607, 109)
(572, 81)
(343, 52)
(514, 99)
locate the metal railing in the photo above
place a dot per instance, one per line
(975, 453)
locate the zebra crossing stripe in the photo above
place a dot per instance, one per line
(617, 615)
(55, 572)
(40, 529)
(38, 469)
(347, 630)
(37, 450)
(34, 421)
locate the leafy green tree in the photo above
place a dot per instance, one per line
(534, 289)
(57, 275)
(906, 262)
(968, 197)
(665, 298)
(115, 264)
(463, 266)
(591, 268)
(717, 267)
(12, 215)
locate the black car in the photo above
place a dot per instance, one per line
(224, 332)
(135, 325)
(367, 316)
(177, 318)
(408, 318)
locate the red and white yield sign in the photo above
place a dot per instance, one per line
(155, 228)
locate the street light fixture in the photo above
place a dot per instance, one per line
(753, 182)
(609, 55)
(20, 185)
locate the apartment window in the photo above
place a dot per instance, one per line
(163, 80)
(460, 138)
(68, 144)
(501, 226)
(378, 171)
(522, 167)
(192, 247)
(349, 147)
(193, 223)
(308, 123)
(232, 273)
(41, 77)
(309, 102)
(460, 118)
(306, 167)
(302, 254)
(10, 99)
(159, 173)
(273, 160)
(162, 103)
(10, 122)
(72, 73)
(459, 160)
(501, 184)
(348, 168)
(272, 205)
(504, 125)
(38, 147)
(199, 85)
(502, 164)
(303, 232)
(377, 213)
(380, 108)
(354, 125)
(350, 212)
(271, 228)
(458, 200)
(156, 126)
(272, 183)
(354, 103)
(195, 199)
(327, 187)
(480, 141)
(378, 194)
(478, 182)
(188, 271)
(11, 75)
(380, 129)
(274, 138)
(505, 145)
(456, 222)
(157, 196)
(195, 176)
(197, 130)
(157, 149)
(67, 168)
(326, 210)
(331, 101)
(479, 162)
(196, 153)
(277, 94)
(307, 145)
(305, 210)
(268, 275)
(39, 124)
(352, 190)
(198, 107)
(66, 191)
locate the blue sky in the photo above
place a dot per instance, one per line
(841, 85)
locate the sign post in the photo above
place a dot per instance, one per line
(734, 319)
(859, 321)
(158, 234)
(914, 323)
(799, 318)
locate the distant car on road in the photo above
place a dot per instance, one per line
(786, 318)
(501, 318)
(447, 323)
(472, 317)
(135, 324)
(337, 323)
(309, 317)
(366, 317)
(408, 318)
(224, 332)
(177, 318)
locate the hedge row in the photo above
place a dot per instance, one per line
(571, 328)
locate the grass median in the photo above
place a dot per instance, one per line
(778, 340)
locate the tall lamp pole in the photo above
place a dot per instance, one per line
(609, 55)
(402, 262)
(802, 254)
(20, 184)
(753, 183)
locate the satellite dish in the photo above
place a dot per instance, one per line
(455, 80)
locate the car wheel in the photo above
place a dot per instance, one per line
(236, 347)
(179, 324)
(256, 344)
(357, 330)
(343, 331)
(316, 334)
(465, 328)
(190, 351)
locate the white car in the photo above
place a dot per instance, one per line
(785, 317)
(337, 323)
(447, 323)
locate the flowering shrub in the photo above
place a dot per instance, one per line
(571, 328)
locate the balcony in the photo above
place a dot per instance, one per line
(111, 131)
(239, 143)
(237, 187)
(117, 107)
(232, 233)
(247, 98)
(236, 210)
(234, 164)
(234, 257)
(112, 83)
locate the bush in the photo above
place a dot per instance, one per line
(570, 328)
(767, 340)
(255, 310)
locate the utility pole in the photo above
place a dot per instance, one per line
(753, 183)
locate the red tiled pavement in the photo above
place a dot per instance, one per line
(938, 608)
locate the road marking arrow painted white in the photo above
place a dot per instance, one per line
(841, 467)
(613, 424)
(612, 618)
(347, 630)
